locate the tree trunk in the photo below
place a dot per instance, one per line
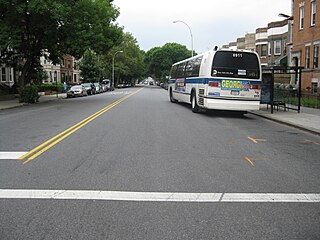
(24, 79)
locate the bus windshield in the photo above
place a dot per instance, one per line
(236, 65)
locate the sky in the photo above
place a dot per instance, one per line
(212, 22)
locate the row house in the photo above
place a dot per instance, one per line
(6, 75)
(273, 42)
(247, 42)
(52, 71)
(241, 43)
(278, 37)
(70, 72)
(262, 45)
(67, 71)
(250, 41)
(306, 42)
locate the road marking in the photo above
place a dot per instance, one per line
(249, 160)
(11, 155)
(256, 140)
(158, 196)
(58, 138)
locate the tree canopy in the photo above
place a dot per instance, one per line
(160, 59)
(128, 60)
(52, 28)
(90, 67)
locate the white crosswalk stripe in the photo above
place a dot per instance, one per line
(159, 196)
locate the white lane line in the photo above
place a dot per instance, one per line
(158, 196)
(11, 155)
(271, 197)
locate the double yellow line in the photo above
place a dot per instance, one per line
(58, 138)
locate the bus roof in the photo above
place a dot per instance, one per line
(210, 52)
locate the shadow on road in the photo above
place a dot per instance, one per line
(219, 113)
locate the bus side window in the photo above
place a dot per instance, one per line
(173, 72)
(193, 67)
(196, 67)
(189, 68)
(180, 70)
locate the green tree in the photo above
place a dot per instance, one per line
(129, 64)
(160, 59)
(90, 67)
(52, 28)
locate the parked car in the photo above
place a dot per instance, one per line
(90, 87)
(77, 90)
(106, 83)
(98, 88)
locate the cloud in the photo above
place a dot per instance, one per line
(211, 21)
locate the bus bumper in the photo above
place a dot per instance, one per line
(232, 105)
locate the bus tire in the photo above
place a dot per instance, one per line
(194, 105)
(171, 97)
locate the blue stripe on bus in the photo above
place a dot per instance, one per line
(207, 80)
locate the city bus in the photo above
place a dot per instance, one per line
(218, 79)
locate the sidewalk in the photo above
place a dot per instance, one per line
(308, 119)
(15, 102)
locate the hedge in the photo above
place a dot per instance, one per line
(50, 87)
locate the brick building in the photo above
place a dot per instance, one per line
(262, 45)
(69, 70)
(278, 37)
(306, 42)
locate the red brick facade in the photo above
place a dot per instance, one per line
(306, 42)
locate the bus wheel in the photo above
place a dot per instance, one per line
(171, 97)
(194, 106)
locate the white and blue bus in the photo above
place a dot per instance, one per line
(221, 80)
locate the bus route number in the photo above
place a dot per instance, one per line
(237, 55)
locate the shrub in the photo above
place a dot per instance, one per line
(29, 94)
(51, 87)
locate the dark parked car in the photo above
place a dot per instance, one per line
(90, 87)
(77, 90)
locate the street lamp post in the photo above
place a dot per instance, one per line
(190, 34)
(114, 55)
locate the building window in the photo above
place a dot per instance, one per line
(277, 47)
(11, 75)
(3, 74)
(301, 17)
(314, 88)
(269, 48)
(63, 77)
(55, 76)
(316, 56)
(308, 57)
(62, 62)
(313, 12)
(263, 50)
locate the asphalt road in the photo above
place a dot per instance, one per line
(144, 144)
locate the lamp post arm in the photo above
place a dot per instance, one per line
(190, 34)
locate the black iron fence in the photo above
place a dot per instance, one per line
(309, 99)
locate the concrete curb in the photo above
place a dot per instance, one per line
(44, 99)
(310, 130)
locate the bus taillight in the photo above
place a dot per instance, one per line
(255, 86)
(214, 84)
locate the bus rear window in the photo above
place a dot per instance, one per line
(236, 65)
